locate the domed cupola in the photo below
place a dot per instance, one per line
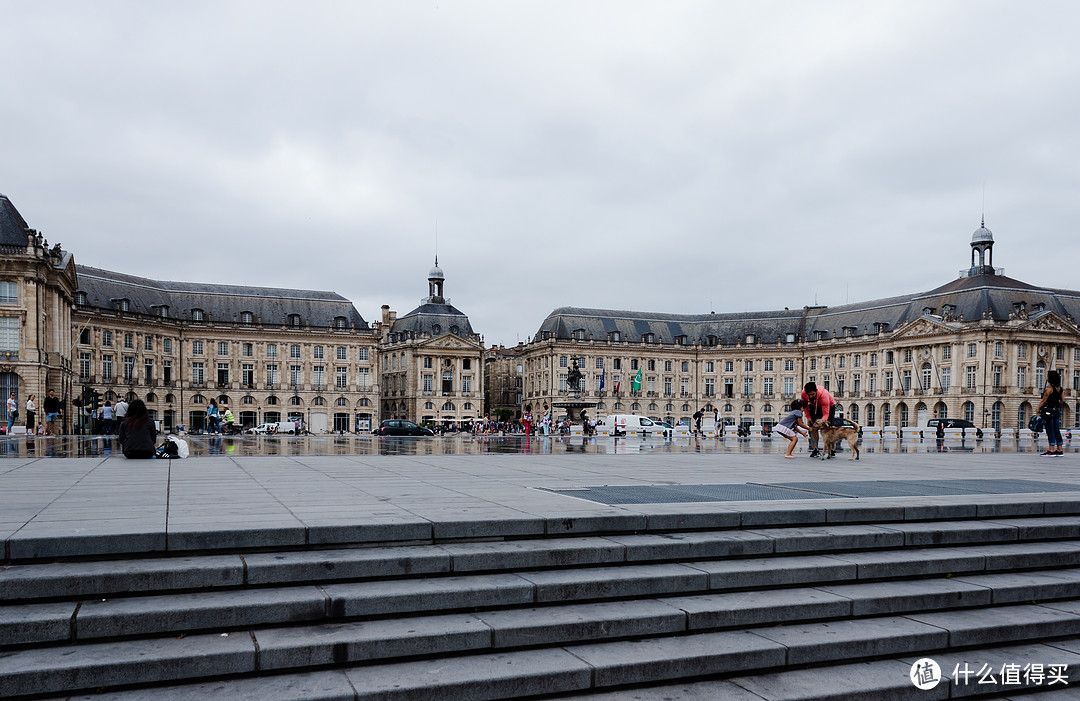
(435, 284)
(982, 243)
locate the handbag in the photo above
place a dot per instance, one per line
(15, 414)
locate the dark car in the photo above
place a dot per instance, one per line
(955, 423)
(401, 427)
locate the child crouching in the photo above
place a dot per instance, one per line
(792, 425)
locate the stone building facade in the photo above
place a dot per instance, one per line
(270, 354)
(978, 347)
(503, 382)
(430, 362)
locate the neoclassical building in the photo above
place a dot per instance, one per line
(271, 354)
(978, 347)
(430, 361)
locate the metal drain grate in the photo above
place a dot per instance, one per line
(690, 493)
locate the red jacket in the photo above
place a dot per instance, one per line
(824, 402)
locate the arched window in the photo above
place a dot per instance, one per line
(635, 406)
(272, 400)
(151, 397)
(340, 322)
(342, 401)
(198, 399)
(247, 318)
(295, 401)
(318, 401)
(198, 315)
(903, 415)
(969, 412)
(248, 400)
(364, 402)
(853, 413)
(448, 406)
(995, 415)
(886, 415)
(223, 399)
(869, 414)
(941, 411)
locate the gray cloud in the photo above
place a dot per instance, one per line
(678, 157)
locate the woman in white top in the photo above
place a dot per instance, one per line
(31, 412)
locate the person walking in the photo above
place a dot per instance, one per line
(52, 411)
(1050, 411)
(31, 414)
(698, 415)
(107, 418)
(12, 412)
(792, 426)
(213, 417)
(120, 411)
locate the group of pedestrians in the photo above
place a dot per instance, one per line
(51, 407)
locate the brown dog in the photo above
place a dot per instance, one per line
(831, 434)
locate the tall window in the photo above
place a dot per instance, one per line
(969, 377)
(106, 339)
(362, 377)
(272, 375)
(341, 377)
(748, 386)
(294, 375)
(271, 350)
(166, 372)
(84, 367)
(198, 373)
(107, 368)
(148, 343)
(466, 383)
(318, 353)
(247, 375)
(972, 350)
(294, 351)
(1040, 375)
(946, 379)
(710, 387)
(789, 365)
(9, 335)
(196, 347)
(997, 377)
(447, 382)
(318, 375)
(9, 293)
(342, 353)
(129, 368)
(1021, 377)
(927, 377)
(129, 340)
(767, 386)
(363, 354)
(148, 370)
(789, 385)
(247, 350)
(223, 374)
(429, 383)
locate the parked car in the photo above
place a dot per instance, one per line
(401, 427)
(955, 423)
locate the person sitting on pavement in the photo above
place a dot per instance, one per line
(137, 432)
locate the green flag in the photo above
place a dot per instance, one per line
(635, 384)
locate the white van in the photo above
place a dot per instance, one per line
(279, 427)
(622, 424)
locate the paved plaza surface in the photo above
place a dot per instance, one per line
(61, 506)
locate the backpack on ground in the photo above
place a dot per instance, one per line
(173, 447)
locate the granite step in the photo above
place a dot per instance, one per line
(182, 573)
(869, 658)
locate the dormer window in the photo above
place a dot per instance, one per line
(849, 330)
(80, 298)
(750, 339)
(123, 305)
(929, 310)
(789, 338)
(294, 321)
(161, 311)
(340, 322)
(198, 315)
(436, 329)
(614, 336)
(1038, 306)
(713, 340)
(579, 334)
(680, 340)
(821, 334)
(247, 318)
(948, 309)
(454, 329)
(648, 338)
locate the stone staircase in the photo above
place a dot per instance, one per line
(811, 609)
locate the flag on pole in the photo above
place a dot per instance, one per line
(602, 379)
(635, 384)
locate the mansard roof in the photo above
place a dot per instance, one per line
(434, 320)
(13, 228)
(220, 303)
(969, 298)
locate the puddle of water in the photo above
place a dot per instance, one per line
(466, 444)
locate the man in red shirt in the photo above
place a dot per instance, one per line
(819, 404)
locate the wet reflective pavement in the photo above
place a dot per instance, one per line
(467, 444)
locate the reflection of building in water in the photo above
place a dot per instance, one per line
(977, 348)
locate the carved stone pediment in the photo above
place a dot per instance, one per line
(448, 342)
(1049, 322)
(924, 326)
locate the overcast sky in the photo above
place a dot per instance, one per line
(678, 157)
